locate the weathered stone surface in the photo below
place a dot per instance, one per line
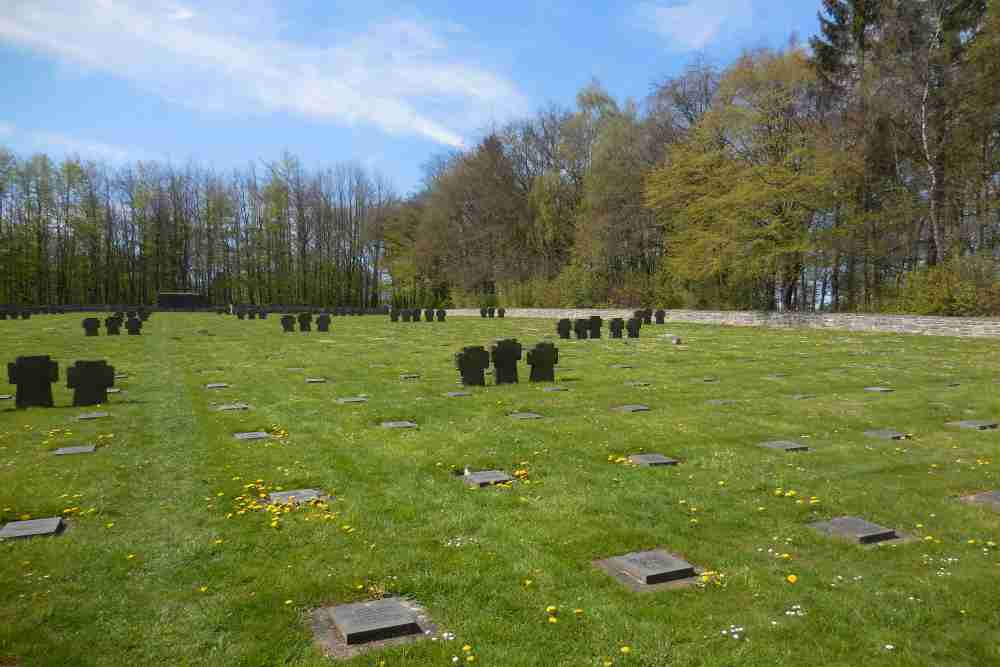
(720, 402)
(974, 425)
(802, 397)
(458, 394)
(653, 567)
(88, 416)
(216, 385)
(652, 460)
(364, 622)
(855, 530)
(31, 528)
(80, 449)
(879, 390)
(555, 388)
(581, 327)
(315, 380)
(616, 326)
(352, 400)
(295, 496)
(522, 416)
(399, 424)
(486, 478)
(988, 498)
(634, 407)
(637, 383)
(785, 446)
(886, 434)
(252, 435)
(409, 376)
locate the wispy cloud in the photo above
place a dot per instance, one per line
(691, 25)
(399, 75)
(40, 140)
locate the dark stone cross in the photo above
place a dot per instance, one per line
(415, 315)
(241, 314)
(134, 326)
(505, 355)
(472, 363)
(25, 315)
(633, 326)
(563, 327)
(288, 323)
(429, 315)
(406, 314)
(393, 315)
(144, 315)
(616, 325)
(543, 359)
(441, 314)
(305, 321)
(595, 326)
(647, 316)
(323, 323)
(482, 312)
(90, 381)
(491, 312)
(92, 326)
(660, 315)
(263, 314)
(34, 377)
(581, 327)
(113, 325)
(3, 314)
(251, 314)
(501, 312)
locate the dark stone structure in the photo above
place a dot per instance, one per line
(92, 326)
(90, 381)
(441, 314)
(660, 316)
(581, 327)
(134, 326)
(472, 363)
(501, 312)
(34, 377)
(288, 323)
(305, 321)
(633, 326)
(615, 326)
(563, 327)
(505, 354)
(491, 313)
(429, 315)
(595, 326)
(393, 315)
(482, 312)
(323, 323)
(113, 325)
(543, 359)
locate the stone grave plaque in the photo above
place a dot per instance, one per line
(802, 397)
(991, 498)
(88, 416)
(621, 366)
(634, 407)
(525, 415)
(114, 390)
(636, 383)
(486, 478)
(974, 425)
(32, 528)
(252, 435)
(5, 397)
(409, 376)
(315, 380)
(216, 385)
(653, 567)
(855, 529)
(652, 460)
(399, 424)
(785, 446)
(879, 390)
(121, 376)
(232, 407)
(458, 394)
(80, 449)
(363, 622)
(720, 402)
(886, 434)
(710, 380)
(554, 388)
(350, 400)
(295, 496)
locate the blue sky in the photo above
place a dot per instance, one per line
(222, 83)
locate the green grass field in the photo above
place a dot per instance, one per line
(159, 567)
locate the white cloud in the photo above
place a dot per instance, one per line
(398, 76)
(691, 25)
(38, 140)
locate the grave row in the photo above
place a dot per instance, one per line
(492, 312)
(113, 324)
(33, 377)
(473, 361)
(413, 315)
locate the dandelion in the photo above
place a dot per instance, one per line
(466, 648)
(791, 578)
(130, 557)
(625, 650)
(203, 589)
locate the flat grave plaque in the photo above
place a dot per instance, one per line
(991, 498)
(80, 449)
(121, 376)
(651, 460)
(523, 416)
(252, 435)
(879, 390)
(802, 397)
(785, 446)
(974, 425)
(31, 528)
(5, 397)
(855, 529)
(621, 366)
(458, 394)
(88, 416)
(486, 478)
(399, 424)
(710, 380)
(315, 380)
(635, 407)
(720, 402)
(295, 370)
(363, 622)
(636, 383)
(653, 567)
(232, 407)
(409, 376)
(554, 388)
(350, 400)
(295, 496)
(114, 390)
(886, 434)
(216, 385)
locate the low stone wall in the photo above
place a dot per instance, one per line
(970, 327)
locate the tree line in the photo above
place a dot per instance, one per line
(79, 232)
(856, 173)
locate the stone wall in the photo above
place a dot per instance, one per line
(912, 324)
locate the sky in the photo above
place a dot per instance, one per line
(387, 85)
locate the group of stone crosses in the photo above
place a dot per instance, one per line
(33, 377)
(473, 361)
(25, 312)
(590, 327)
(113, 323)
(413, 314)
(492, 312)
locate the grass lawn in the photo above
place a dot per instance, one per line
(159, 567)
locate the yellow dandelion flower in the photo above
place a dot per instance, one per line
(625, 650)
(466, 648)
(791, 578)
(553, 619)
